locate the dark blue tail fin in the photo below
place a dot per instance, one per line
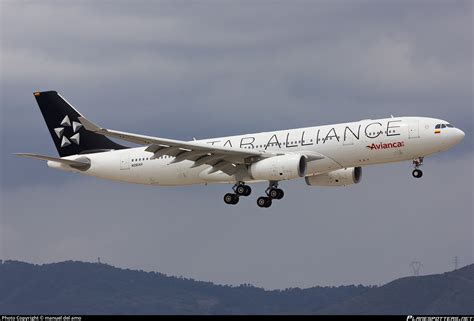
(69, 136)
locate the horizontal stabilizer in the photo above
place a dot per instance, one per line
(83, 163)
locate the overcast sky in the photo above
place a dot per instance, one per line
(180, 69)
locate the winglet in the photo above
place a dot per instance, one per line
(90, 126)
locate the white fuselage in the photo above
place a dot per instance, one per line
(355, 144)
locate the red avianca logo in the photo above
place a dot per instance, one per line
(386, 145)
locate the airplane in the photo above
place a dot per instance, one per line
(330, 155)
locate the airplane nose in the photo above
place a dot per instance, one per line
(459, 135)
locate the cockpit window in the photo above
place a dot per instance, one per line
(438, 126)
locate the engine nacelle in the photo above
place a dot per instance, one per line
(278, 168)
(340, 177)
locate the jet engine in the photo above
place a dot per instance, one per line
(340, 177)
(278, 168)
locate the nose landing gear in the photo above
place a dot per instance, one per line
(417, 173)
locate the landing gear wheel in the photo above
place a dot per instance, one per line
(248, 190)
(280, 194)
(269, 202)
(273, 193)
(236, 199)
(417, 173)
(276, 193)
(231, 199)
(242, 190)
(264, 201)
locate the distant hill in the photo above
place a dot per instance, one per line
(447, 293)
(90, 288)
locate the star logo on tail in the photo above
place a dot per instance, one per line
(74, 138)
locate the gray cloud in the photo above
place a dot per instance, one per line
(209, 69)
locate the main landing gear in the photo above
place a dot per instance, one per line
(417, 173)
(240, 189)
(273, 193)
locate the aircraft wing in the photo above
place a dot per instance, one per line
(225, 159)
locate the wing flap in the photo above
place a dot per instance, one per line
(219, 166)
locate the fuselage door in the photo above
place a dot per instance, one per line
(125, 161)
(414, 129)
